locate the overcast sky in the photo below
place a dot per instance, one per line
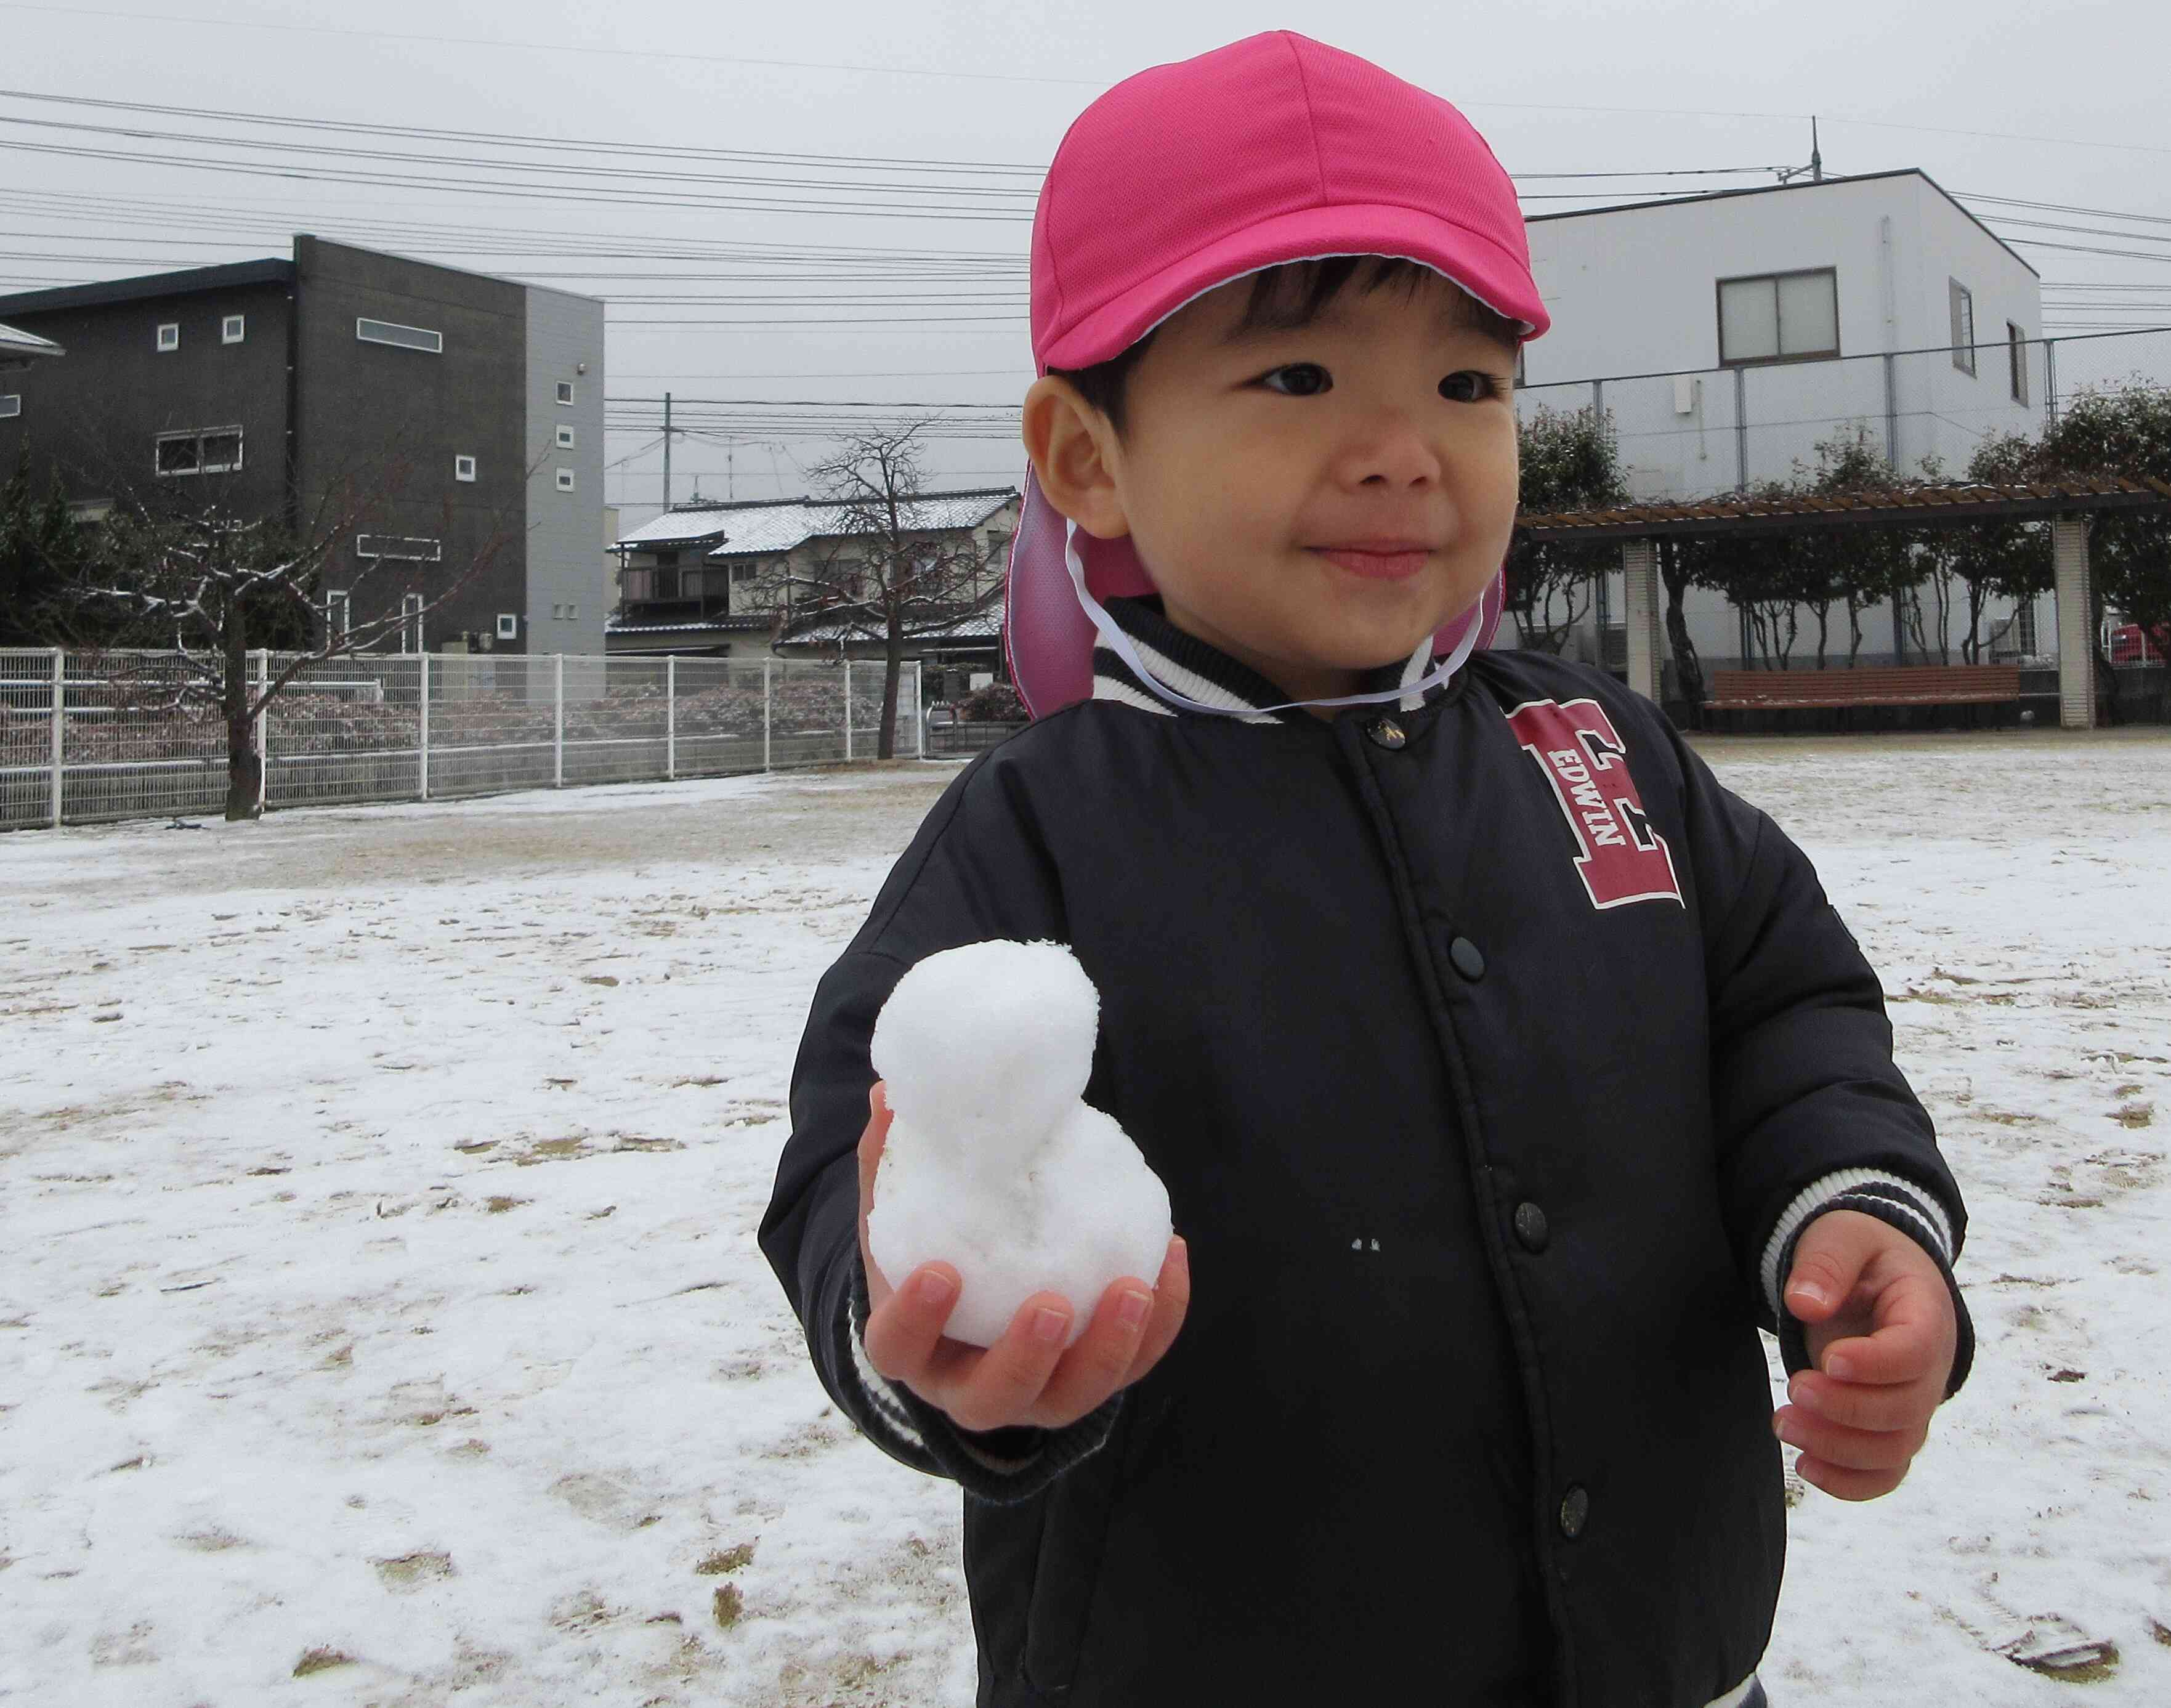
(2059, 105)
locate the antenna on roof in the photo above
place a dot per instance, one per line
(1815, 169)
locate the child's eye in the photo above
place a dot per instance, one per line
(1469, 385)
(1307, 379)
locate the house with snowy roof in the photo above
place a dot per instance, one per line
(765, 578)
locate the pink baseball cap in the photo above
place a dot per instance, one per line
(1274, 148)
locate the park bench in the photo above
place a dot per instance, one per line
(1902, 685)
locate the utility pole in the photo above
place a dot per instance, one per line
(666, 450)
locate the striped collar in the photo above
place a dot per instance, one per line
(1190, 666)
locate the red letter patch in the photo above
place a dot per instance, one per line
(1620, 859)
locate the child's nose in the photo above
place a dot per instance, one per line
(1393, 455)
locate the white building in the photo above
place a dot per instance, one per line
(1728, 334)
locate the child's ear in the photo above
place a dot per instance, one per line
(1074, 453)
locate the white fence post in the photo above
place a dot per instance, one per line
(670, 720)
(263, 729)
(60, 726)
(558, 727)
(765, 663)
(848, 709)
(919, 712)
(422, 766)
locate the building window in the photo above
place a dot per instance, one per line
(508, 626)
(11, 405)
(2023, 628)
(564, 439)
(338, 615)
(200, 451)
(565, 480)
(1963, 327)
(411, 622)
(232, 329)
(572, 614)
(666, 560)
(403, 338)
(464, 467)
(743, 574)
(406, 549)
(566, 391)
(1779, 317)
(169, 335)
(2016, 349)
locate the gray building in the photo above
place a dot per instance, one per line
(455, 416)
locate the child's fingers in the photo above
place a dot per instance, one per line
(1844, 1485)
(876, 1134)
(1861, 1405)
(1171, 1300)
(1114, 1352)
(1913, 1322)
(871, 1142)
(1851, 1449)
(1001, 1388)
(1102, 1361)
(904, 1331)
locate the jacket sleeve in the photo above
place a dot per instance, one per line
(973, 872)
(1810, 1112)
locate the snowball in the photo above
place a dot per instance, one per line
(993, 1163)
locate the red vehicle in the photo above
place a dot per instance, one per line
(2129, 645)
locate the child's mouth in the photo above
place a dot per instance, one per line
(1374, 566)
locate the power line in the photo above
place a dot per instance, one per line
(584, 49)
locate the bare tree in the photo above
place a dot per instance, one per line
(884, 572)
(213, 583)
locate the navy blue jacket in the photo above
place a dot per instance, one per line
(1493, 1055)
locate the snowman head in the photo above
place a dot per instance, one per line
(989, 1045)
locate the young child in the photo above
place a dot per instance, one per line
(1500, 1065)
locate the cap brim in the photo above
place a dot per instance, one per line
(1469, 259)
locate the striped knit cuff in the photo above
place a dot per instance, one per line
(1907, 1206)
(1002, 1466)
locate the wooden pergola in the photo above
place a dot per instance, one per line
(2065, 501)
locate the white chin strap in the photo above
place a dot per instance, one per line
(1119, 643)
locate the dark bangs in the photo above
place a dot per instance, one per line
(1287, 298)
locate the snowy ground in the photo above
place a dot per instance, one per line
(380, 1302)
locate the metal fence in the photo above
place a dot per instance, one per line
(91, 738)
(1699, 432)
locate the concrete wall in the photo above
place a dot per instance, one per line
(95, 414)
(387, 423)
(568, 594)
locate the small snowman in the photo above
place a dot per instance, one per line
(993, 1164)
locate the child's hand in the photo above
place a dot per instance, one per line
(1024, 1378)
(1881, 1340)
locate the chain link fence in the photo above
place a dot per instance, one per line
(92, 738)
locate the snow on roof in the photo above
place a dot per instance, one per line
(752, 528)
(685, 525)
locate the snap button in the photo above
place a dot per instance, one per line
(1469, 960)
(1386, 732)
(1531, 1227)
(1575, 1507)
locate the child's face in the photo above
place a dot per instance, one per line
(1388, 419)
